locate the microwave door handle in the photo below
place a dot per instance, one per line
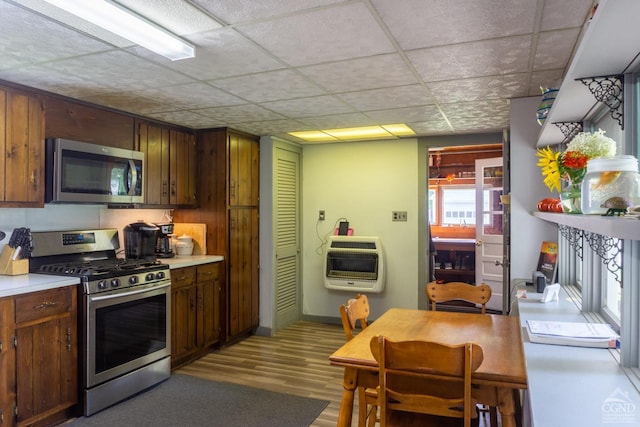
(133, 173)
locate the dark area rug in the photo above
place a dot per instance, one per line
(184, 400)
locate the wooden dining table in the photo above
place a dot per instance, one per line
(496, 382)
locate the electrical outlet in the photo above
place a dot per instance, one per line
(321, 215)
(399, 216)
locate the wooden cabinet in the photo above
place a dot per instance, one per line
(40, 355)
(170, 165)
(22, 147)
(455, 261)
(195, 300)
(228, 162)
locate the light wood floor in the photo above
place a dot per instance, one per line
(295, 361)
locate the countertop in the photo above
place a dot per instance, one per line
(25, 283)
(573, 386)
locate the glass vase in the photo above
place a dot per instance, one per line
(571, 198)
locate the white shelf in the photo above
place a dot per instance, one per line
(612, 226)
(609, 46)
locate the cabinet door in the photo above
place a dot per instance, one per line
(243, 274)
(7, 362)
(154, 142)
(183, 312)
(243, 170)
(46, 353)
(22, 143)
(183, 169)
(208, 304)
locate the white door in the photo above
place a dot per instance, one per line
(287, 241)
(489, 228)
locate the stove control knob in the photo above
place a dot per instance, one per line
(102, 284)
(149, 276)
(115, 283)
(133, 280)
(160, 275)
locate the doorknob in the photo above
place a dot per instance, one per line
(478, 242)
(497, 262)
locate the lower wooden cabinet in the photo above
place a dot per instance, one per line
(195, 311)
(38, 357)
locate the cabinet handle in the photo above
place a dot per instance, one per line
(164, 188)
(233, 190)
(208, 273)
(45, 305)
(173, 188)
(68, 339)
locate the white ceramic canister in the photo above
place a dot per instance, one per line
(184, 245)
(609, 177)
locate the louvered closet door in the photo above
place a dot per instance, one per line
(287, 263)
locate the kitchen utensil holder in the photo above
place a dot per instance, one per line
(10, 266)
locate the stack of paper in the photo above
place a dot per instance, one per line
(573, 333)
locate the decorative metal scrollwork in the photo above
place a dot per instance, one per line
(573, 236)
(609, 91)
(569, 129)
(609, 249)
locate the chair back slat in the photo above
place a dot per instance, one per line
(452, 291)
(356, 309)
(425, 378)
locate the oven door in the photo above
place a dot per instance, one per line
(126, 330)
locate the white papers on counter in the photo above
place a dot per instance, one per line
(572, 333)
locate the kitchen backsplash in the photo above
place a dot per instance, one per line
(74, 217)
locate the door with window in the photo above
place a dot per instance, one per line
(490, 228)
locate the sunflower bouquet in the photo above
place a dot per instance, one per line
(570, 165)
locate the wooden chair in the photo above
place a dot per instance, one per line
(425, 383)
(354, 311)
(458, 291)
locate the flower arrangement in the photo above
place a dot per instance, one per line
(570, 165)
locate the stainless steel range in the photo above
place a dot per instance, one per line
(125, 312)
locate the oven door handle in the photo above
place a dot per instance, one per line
(97, 298)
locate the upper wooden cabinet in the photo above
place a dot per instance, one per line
(244, 177)
(86, 123)
(170, 165)
(22, 145)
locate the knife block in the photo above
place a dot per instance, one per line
(11, 267)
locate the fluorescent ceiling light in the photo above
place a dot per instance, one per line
(129, 25)
(357, 133)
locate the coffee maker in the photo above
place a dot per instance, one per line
(140, 239)
(164, 248)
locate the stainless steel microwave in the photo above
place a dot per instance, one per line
(79, 172)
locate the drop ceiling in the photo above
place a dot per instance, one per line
(270, 67)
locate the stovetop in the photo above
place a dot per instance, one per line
(102, 268)
(91, 256)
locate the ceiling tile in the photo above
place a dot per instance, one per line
(233, 12)
(239, 113)
(220, 53)
(191, 96)
(128, 101)
(491, 87)
(335, 121)
(500, 56)
(565, 13)
(427, 23)
(307, 107)
(186, 118)
(121, 70)
(176, 16)
(486, 110)
(321, 35)
(269, 86)
(546, 79)
(362, 73)
(404, 115)
(554, 48)
(391, 97)
(22, 42)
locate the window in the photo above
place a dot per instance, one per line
(458, 205)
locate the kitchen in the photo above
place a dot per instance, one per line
(380, 178)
